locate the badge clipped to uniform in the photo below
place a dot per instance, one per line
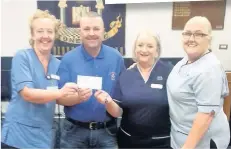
(157, 86)
(52, 77)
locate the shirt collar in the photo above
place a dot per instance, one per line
(185, 62)
(87, 56)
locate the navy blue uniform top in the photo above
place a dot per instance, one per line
(108, 65)
(145, 105)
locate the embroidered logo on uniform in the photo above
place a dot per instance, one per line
(113, 75)
(159, 78)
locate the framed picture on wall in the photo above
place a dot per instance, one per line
(213, 10)
(146, 1)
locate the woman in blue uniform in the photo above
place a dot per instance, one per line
(141, 94)
(196, 89)
(29, 117)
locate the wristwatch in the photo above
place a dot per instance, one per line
(106, 100)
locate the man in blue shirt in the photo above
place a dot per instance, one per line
(87, 124)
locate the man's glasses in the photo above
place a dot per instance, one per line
(197, 36)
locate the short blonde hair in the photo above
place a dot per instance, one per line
(44, 14)
(158, 44)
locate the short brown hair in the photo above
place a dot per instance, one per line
(92, 14)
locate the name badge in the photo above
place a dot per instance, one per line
(54, 77)
(158, 86)
(52, 88)
(89, 82)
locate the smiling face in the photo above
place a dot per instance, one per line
(196, 37)
(43, 34)
(146, 49)
(92, 32)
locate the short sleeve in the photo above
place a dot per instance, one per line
(63, 73)
(122, 66)
(116, 93)
(21, 72)
(208, 90)
(225, 86)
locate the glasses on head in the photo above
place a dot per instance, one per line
(187, 35)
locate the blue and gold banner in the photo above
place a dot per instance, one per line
(70, 12)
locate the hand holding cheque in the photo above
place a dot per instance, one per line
(74, 91)
(103, 97)
(68, 89)
(87, 83)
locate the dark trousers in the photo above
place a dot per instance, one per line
(5, 146)
(125, 141)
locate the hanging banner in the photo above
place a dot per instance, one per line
(70, 12)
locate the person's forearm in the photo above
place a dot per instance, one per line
(199, 128)
(40, 96)
(113, 109)
(69, 100)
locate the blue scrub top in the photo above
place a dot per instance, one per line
(29, 125)
(145, 105)
(108, 65)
